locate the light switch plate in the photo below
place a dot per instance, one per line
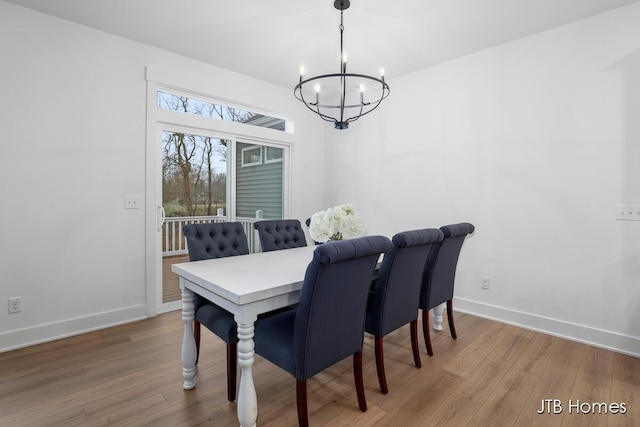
(131, 202)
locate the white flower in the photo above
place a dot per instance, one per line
(337, 223)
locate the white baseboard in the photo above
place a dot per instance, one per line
(609, 340)
(53, 331)
(574, 332)
(170, 306)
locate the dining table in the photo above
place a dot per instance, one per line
(246, 286)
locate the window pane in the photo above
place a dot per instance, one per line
(273, 154)
(259, 186)
(251, 156)
(198, 107)
(194, 174)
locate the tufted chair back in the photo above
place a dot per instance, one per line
(207, 241)
(279, 234)
(215, 240)
(396, 295)
(328, 324)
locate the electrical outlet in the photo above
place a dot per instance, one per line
(484, 282)
(15, 305)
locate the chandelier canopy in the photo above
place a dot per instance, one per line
(342, 97)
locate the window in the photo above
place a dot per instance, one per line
(199, 107)
(209, 166)
(273, 154)
(251, 156)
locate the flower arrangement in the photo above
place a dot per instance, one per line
(337, 223)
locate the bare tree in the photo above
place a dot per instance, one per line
(179, 150)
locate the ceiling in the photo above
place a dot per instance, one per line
(271, 39)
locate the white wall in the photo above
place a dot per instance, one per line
(534, 142)
(73, 116)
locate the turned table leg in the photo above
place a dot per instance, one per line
(188, 342)
(247, 398)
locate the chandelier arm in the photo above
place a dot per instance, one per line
(353, 119)
(307, 104)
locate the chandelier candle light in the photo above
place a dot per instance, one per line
(349, 106)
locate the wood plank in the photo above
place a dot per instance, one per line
(504, 404)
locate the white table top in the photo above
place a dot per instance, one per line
(248, 278)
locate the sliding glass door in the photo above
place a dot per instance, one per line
(207, 178)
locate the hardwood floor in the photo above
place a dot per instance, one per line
(492, 375)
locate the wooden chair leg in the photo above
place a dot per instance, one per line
(425, 331)
(301, 398)
(232, 367)
(196, 337)
(382, 379)
(414, 343)
(452, 327)
(357, 373)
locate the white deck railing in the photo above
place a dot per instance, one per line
(174, 242)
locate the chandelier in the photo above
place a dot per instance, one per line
(340, 98)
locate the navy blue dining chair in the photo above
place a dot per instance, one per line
(328, 324)
(208, 241)
(440, 274)
(395, 296)
(276, 234)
